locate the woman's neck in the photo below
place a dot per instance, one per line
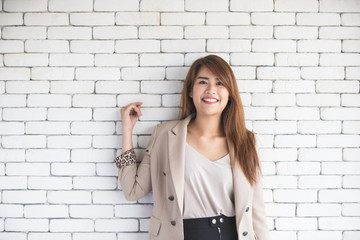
(207, 126)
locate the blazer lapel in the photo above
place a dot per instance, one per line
(176, 144)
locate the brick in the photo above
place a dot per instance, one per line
(91, 211)
(303, 6)
(318, 99)
(163, 6)
(350, 234)
(115, 32)
(297, 59)
(50, 183)
(52, 73)
(350, 209)
(214, 45)
(274, 46)
(341, 167)
(22, 114)
(46, 211)
(176, 73)
(97, 73)
(117, 87)
(298, 168)
(159, 114)
(320, 154)
(283, 210)
(252, 59)
(106, 169)
(11, 210)
(24, 197)
(94, 46)
(351, 154)
(149, 100)
(351, 181)
(340, 113)
(114, 5)
(160, 32)
(333, 6)
(273, 99)
(47, 46)
(24, 6)
(2, 88)
(48, 100)
(72, 87)
(320, 182)
(251, 32)
(48, 155)
(291, 235)
(183, 18)
(14, 73)
(291, 32)
(351, 46)
(69, 33)
(94, 236)
(339, 33)
(73, 169)
(202, 32)
(24, 141)
(206, 6)
(319, 46)
(300, 86)
(274, 127)
(337, 86)
(259, 113)
(283, 182)
(27, 87)
(8, 100)
(109, 197)
(28, 169)
(116, 60)
(244, 73)
(69, 60)
(171, 100)
(107, 114)
(319, 73)
(296, 223)
(69, 141)
(295, 196)
(273, 18)
(102, 183)
(318, 19)
(227, 18)
(330, 235)
(143, 73)
(13, 183)
(137, 46)
(316, 210)
(11, 19)
(352, 73)
(137, 18)
(39, 225)
(183, 46)
(116, 225)
(277, 155)
(133, 210)
(340, 59)
(278, 73)
(251, 5)
(21, 32)
(69, 114)
(70, 6)
(319, 127)
(27, 59)
(339, 223)
(12, 128)
(352, 127)
(161, 87)
(45, 236)
(108, 141)
(295, 141)
(47, 128)
(165, 59)
(92, 19)
(92, 128)
(71, 225)
(69, 197)
(46, 19)
(350, 19)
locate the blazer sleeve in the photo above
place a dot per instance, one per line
(135, 180)
(258, 213)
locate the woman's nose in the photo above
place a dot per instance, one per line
(211, 89)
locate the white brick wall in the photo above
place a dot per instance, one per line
(66, 67)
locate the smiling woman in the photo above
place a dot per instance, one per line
(203, 170)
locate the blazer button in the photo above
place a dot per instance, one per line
(245, 233)
(247, 209)
(173, 223)
(164, 173)
(171, 198)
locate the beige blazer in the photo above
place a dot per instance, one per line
(162, 171)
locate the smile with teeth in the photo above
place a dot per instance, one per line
(210, 100)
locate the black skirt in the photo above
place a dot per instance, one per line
(212, 228)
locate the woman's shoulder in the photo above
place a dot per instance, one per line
(167, 126)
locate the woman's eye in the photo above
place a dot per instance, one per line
(220, 84)
(202, 82)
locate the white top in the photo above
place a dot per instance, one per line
(208, 189)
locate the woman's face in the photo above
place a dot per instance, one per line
(209, 95)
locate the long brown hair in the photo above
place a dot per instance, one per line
(232, 118)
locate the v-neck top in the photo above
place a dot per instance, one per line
(209, 189)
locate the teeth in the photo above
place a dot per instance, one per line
(209, 100)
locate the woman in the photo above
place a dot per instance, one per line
(203, 170)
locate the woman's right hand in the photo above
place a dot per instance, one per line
(129, 115)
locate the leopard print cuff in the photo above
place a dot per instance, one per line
(128, 158)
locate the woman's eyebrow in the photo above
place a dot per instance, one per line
(203, 78)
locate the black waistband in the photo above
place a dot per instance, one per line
(209, 221)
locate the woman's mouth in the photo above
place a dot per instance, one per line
(209, 100)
